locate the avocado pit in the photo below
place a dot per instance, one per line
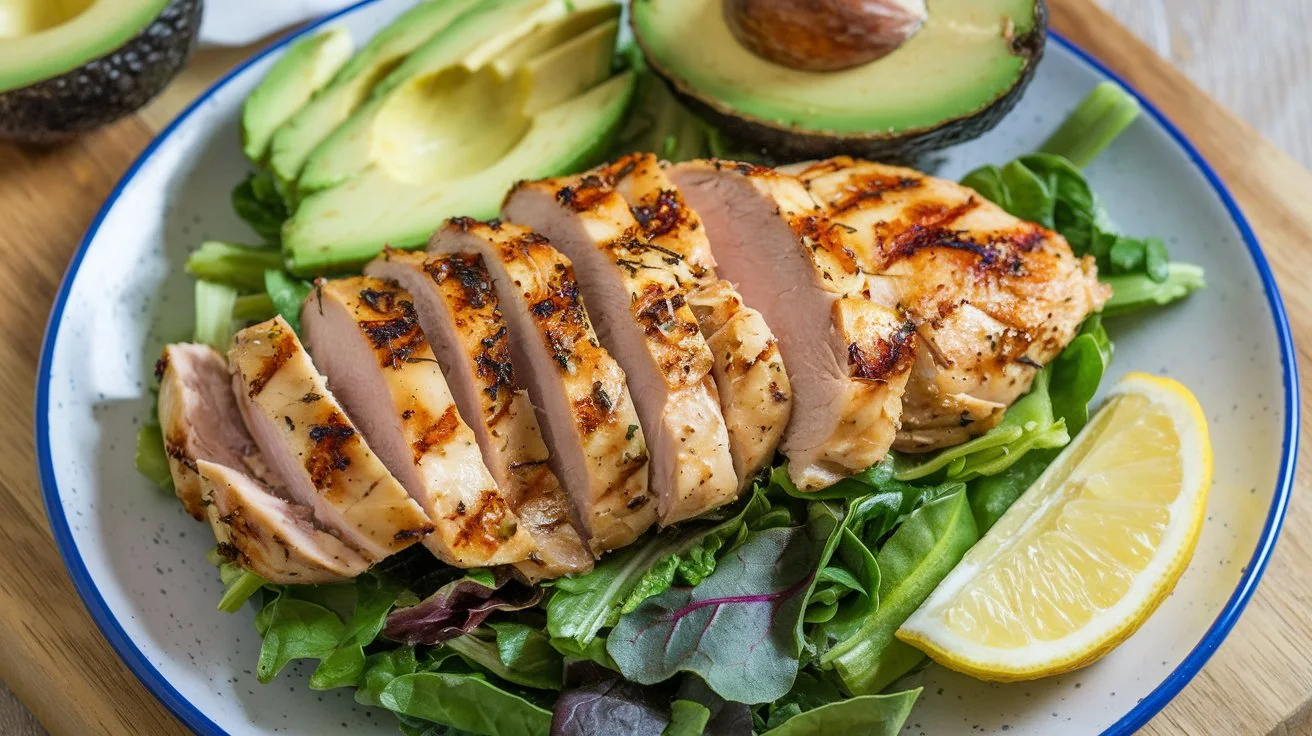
(824, 35)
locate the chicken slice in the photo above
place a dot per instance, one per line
(756, 397)
(270, 536)
(199, 418)
(308, 441)
(460, 313)
(364, 335)
(993, 298)
(640, 309)
(597, 449)
(848, 357)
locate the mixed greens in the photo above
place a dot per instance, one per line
(775, 616)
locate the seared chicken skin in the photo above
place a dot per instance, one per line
(596, 445)
(364, 334)
(848, 357)
(993, 298)
(215, 465)
(640, 308)
(756, 397)
(307, 439)
(461, 315)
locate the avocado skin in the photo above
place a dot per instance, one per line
(783, 144)
(105, 89)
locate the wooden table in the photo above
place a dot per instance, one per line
(1260, 680)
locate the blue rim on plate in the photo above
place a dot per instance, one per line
(189, 714)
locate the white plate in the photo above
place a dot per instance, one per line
(138, 560)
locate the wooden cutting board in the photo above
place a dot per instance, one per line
(54, 659)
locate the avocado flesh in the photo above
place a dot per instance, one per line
(293, 142)
(40, 39)
(960, 62)
(345, 226)
(304, 69)
(475, 39)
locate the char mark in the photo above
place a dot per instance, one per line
(328, 454)
(885, 358)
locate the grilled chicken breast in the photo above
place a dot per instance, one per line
(270, 536)
(756, 397)
(459, 311)
(596, 445)
(364, 335)
(199, 418)
(993, 298)
(640, 309)
(308, 441)
(847, 356)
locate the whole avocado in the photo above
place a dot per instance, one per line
(106, 88)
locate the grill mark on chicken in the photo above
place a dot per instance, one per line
(590, 412)
(468, 271)
(487, 525)
(175, 447)
(329, 456)
(891, 357)
(433, 433)
(662, 216)
(161, 366)
(870, 187)
(494, 367)
(284, 345)
(396, 337)
(584, 195)
(818, 232)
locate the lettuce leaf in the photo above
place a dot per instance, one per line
(465, 701)
(287, 293)
(868, 715)
(152, 459)
(241, 266)
(913, 561)
(515, 652)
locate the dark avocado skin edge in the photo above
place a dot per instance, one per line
(105, 89)
(789, 144)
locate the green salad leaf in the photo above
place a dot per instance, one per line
(257, 202)
(214, 314)
(741, 628)
(515, 652)
(465, 701)
(241, 266)
(294, 629)
(868, 715)
(913, 561)
(152, 459)
(1099, 118)
(1135, 292)
(287, 293)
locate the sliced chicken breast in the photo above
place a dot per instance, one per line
(848, 358)
(310, 443)
(756, 397)
(596, 445)
(640, 308)
(199, 418)
(460, 313)
(270, 536)
(364, 335)
(993, 298)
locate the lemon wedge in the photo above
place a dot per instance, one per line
(1090, 550)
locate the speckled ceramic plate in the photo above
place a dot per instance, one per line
(138, 560)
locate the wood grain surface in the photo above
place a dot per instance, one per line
(1258, 682)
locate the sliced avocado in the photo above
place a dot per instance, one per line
(342, 227)
(306, 67)
(953, 79)
(566, 71)
(70, 66)
(475, 39)
(293, 142)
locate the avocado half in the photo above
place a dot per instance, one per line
(68, 66)
(955, 79)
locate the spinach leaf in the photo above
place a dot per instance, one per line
(687, 718)
(383, 667)
(287, 293)
(241, 266)
(151, 459)
(456, 608)
(598, 701)
(583, 605)
(917, 556)
(741, 629)
(594, 651)
(467, 702)
(1029, 424)
(868, 715)
(811, 690)
(515, 652)
(256, 200)
(294, 629)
